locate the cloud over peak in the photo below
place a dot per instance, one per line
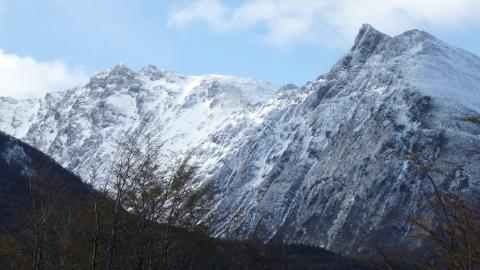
(282, 23)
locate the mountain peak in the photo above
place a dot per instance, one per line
(120, 69)
(366, 42)
(415, 37)
(149, 69)
(156, 73)
(118, 74)
(116, 70)
(367, 39)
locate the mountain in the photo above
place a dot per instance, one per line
(19, 165)
(319, 164)
(78, 127)
(327, 164)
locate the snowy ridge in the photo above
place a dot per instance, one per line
(317, 164)
(80, 125)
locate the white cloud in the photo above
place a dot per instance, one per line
(329, 22)
(24, 77)
(210, 11)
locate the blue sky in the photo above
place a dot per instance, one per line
(48, 45)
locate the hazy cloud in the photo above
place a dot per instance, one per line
(328, 22)
(24, 77)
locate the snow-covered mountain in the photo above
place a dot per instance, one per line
(80, 126)
(327, 162)
(318, 164)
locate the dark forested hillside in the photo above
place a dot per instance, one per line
(19, 165)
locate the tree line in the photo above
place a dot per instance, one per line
(137, 216)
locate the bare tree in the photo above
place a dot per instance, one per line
(51, 219)
(453, 231)
(124, 168)
(96, 209)
(150, 204)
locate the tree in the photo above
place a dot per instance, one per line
(49, 222)
(453, 228)
(149, 207)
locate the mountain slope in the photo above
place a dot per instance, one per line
(318, 164)
(19, 164)
(327, 163)
(79, 127)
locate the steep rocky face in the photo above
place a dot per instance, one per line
(317, 164)
(327, 162)
(17, 115)
(79, 127)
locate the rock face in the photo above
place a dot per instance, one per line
(327, 163)
(318, 164)
(79, 127)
